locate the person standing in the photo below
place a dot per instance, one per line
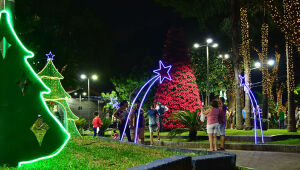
(161, 109)
(153, 125)
(222, 121)
(140, 123)
(121, 114)
(96, 124)
(212, 124)
(281, 118)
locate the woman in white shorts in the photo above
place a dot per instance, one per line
(212, 124)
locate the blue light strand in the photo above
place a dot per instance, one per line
(133, 102)
(139, 111)
(256, 109)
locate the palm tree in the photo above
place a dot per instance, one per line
(191, 122)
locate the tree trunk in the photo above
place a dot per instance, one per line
(235, 11)
(291, 123)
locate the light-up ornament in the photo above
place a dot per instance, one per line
(25, 106)
(161, 74)
(255, 107)
(50, 56)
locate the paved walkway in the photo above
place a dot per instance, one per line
(267, 160)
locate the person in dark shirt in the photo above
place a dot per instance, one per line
(222, 122)
(153, 125)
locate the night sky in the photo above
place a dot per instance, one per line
(110, 38)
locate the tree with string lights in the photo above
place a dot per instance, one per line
(51, 77)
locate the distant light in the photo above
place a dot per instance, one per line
(196, 45)
(83, 76)
(215, 45)
(257, 64)
(75, 94)
(94, 77)
(209, 40)
(84, 93)
(220, 56)
(271, 62)
(226, 56)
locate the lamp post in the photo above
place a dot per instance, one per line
(94, 77)
(214, 45)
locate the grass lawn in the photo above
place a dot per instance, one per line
(89, 153)
(234, 132)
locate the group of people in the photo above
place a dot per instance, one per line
(216, 122)
(155, 114)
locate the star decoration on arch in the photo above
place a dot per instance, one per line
(50, 56)
(163, 72)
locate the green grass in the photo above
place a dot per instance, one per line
(234, 132)
(89, 153)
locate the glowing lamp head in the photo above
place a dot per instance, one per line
(94, 77)
(257, 64)
(75, 94)
(215, 45)
(209, 40)
(271, 62)
(226, 56)
(196, 45)
(84, 93)
(83, 76)
(220, 56)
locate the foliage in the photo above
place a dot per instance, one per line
(80, 124)
(182, 92)
(191, 122)
(217, 71)
(108, 97)
(89, 153)
(106, 124)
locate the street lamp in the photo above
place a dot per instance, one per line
(271, 62)
(94, 77)
(257, 64)
(215, 45)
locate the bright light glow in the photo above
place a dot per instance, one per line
(83, 76)
(215, 45)
(257, 64)
(163, 71)
(255, 107)
(94, 77)
(75, 94)
(271, 62)
(209, 40)
(29, 54)
(84, 93)
(196, 45)
(226, 56)
(220, 56)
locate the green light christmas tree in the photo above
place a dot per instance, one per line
(51, 77)
(21, 101)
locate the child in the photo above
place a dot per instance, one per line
(114, 135)
(97, 124)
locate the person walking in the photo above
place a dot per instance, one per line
(96, 124)
(121, 114)
(153, 125)
(212, 124)
(161, 109)
(222, 121)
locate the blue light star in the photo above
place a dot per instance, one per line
(50, 56)
(163, 72)
(242, 82)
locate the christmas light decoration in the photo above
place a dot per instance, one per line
(182, 92)
(21, 100)
(255, 107)
(162, 73)
(287, 20)
(51, 77)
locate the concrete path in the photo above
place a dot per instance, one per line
(267, 160)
